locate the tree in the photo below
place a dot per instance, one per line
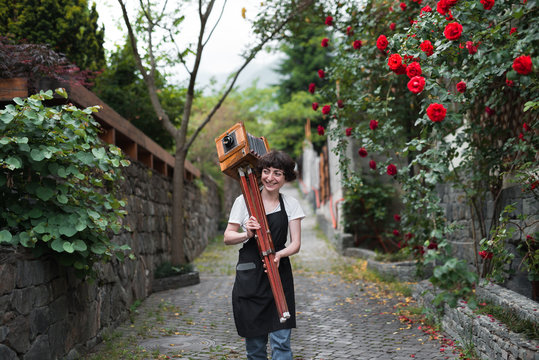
(68, 26)
(155, 18)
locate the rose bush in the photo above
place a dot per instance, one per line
(470, 60)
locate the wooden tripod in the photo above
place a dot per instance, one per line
(253, 200)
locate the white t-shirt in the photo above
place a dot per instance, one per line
(239, 213)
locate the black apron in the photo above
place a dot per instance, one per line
(255, 312)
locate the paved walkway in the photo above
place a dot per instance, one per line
(336, 319)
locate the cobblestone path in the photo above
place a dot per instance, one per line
(336, 319)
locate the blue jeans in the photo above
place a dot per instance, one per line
(279, 342)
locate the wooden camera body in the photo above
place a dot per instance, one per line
(237, 148)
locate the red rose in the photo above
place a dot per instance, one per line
(392, 26)
(315, 106)
(349, 31)
(521, 137)
(362, 152)
(373, 124)
(416, 84)
(490, 111)
(312, 88)
(486, 254)
(426, 9)
(414, 69)
(442, 7)
(326, 109)
(427, 48)
(526, 127)
(472, 49)
(391, 170)
(453, 31)
(523, 64)
(400, 70)
(357, 44)
(321, 130)
(321, 74)
(432, 245)
(487, 4)
(396, 232)
(397, 217)
(325, 42)
(340, 104)
(394, 62)
(509, 83)
(403, 6)
(436, 112)
(461, 86)
(348, 131)
(329, 20)
(381, 43)
(513, 30)
(372, 164)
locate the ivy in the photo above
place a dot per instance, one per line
(58, 183)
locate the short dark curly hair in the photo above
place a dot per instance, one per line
(278, 160)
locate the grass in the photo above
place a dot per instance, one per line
(514, 323)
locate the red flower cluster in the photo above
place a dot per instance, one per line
(396, 232)
(486, 254)
(416, 84)
(329, 20)
(392, 26)
(321, 130)
(348, 131)
(357, 44)
(453, 31)
(312, 88)
(414, 69)
(397, 217)
(325, 42)
(425, 9)
(487, 4)
(513, 30)
(326, 109)
(436, 112)
(349, 31)
(461, 86)
(340, 104)
(509, 83)
(403, 6)
(381, 42)
(489, 111)
(315, 106)
(372, 164)
(321, 74)
(395, 64)
(391, 170)
(362, 152)
(472, 49)
(523, 64)
(427, 48)
(373, 124)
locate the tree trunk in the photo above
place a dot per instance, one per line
(177, 241)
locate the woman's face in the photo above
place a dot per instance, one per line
(272, 178)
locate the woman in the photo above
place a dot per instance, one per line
(255, 312)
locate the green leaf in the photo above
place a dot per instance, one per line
(67, 230)
(79, 245)
(62, 92)
(68, 247)
(62, 199)
(99, 153)
(58, 245)
(7, 117)
(18, 101)
(5, 236)
(13, 162)
(44, 193)
(37, 155)
(98, 248)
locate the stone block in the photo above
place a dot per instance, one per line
(39, 321)
(24, 300)
(39, 350)
(7, 354)
(4, 331)
(7, 274)
(57, 335)
(18, 337)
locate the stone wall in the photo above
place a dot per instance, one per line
(47, 313)
(458, 212)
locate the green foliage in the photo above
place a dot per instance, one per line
(68, 26)
(57, 181)
(121, 82)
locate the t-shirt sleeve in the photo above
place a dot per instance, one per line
(293, 208)
(238, 213)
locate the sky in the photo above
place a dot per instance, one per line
(221, 55)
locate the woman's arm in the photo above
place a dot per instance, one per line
(232, 235)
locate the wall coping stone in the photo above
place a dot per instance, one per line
(176, 281)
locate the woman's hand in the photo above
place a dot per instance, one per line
(251, 225)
